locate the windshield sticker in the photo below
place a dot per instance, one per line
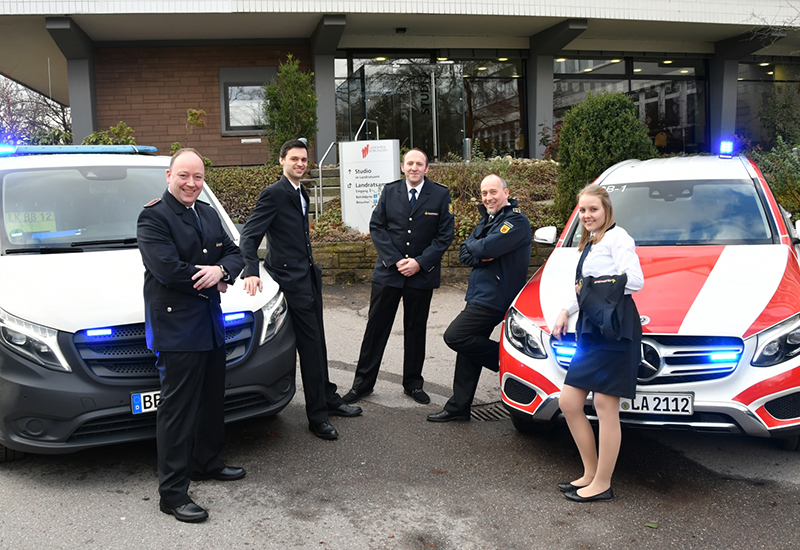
(29, 222)
(612, 188)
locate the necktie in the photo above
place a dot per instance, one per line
(413, 199)
(197, 219)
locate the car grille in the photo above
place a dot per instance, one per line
(671, 359)
(128, 424)
(123, 353)
(518, 392)
(786, 407)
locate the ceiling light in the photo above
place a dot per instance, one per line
(481, 68)
(441, 59)
(667, 62)
(380, 59)
(637, 70)
(502, 59)
(684, 71)
(763, 64)
(771, 72)
(616, 60)
(561, 59)
(587, 70)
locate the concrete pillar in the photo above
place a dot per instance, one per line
(77, 47)
(324, 42)
(722, 94)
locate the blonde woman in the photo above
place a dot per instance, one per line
(606, 361)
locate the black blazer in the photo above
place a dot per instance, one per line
(178, 317)
(604, 311)
(423, 234)
(279, 215)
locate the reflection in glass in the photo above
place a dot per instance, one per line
(245, 105)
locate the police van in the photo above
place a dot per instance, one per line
(75, 371)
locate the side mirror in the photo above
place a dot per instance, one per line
(546, 235)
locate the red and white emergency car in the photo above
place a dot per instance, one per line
(720, 306)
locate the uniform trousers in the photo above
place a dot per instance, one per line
(383, 304)
(468, 335)
(190, 422)
(309, 330)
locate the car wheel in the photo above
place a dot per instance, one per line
(8, 455)
(528, 426)
(790, 443)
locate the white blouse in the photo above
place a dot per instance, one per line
(613, 255)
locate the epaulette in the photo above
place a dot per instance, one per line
(152, 202)
(439, 184)
(516, 211)
(203, 202)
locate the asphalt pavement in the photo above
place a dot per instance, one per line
(394, 481)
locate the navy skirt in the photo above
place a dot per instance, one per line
(608, 369)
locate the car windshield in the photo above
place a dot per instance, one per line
(75, 206)
(707, 212)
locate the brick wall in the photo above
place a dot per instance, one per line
(348, 263)
(151, 88)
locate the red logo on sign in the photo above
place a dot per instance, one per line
(365, 152)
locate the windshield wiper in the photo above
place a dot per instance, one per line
(126, 241)
(43, 250)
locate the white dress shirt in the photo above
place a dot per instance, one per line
(615, 254)
(418, 188)
(302, 199)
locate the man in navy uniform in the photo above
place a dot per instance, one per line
(499, 252)
(189, 259)
(411, 228)
(281, 214)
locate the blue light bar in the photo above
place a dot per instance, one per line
(726, 149)
(232, 317)
(564, 351)
(95, 332)
(74, 149)
(726, 356)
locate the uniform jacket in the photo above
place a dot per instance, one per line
(423, 234)
(279, 215)
(178, 317)
(603, 312)
(507, 240)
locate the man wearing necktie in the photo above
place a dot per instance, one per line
(189, 259)
(411, 228)
(281, 214)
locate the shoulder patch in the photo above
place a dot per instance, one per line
(506, 227)
(450, 207)
(152, 202)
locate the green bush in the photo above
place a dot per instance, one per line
(238, 187)
(781, 169)
(597, 133)
(116, 135)
(780, 115)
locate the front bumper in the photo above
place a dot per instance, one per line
(48, 412)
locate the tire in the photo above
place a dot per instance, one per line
(9, 455)
(528, 426)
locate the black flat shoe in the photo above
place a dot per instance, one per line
(605, 495)
(344, 410)
(418, 395)
(354, 396)
(445, 416)
(228, 473)
(566, 487)
(324, 430)
(188, 513)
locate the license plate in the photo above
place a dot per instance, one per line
(145, 402)
(659, 403)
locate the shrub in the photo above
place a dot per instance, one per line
(238, 187)
(780, 115)
(597, 133)
(781, 169)
(116, 135)
(290, 107)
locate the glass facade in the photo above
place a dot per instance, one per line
(758, 83)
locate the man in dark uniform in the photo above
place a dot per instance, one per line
(411, 228)
(189, 259)
(281, 214)
(499, 252)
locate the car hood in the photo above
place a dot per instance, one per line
(700, 290)
(75, 291)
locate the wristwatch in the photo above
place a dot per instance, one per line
(225, 275)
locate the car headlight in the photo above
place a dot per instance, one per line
(274, 316)
(777, 344)
(32, 341)
(524, 335)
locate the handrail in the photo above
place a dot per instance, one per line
(363, 122)
(318, 198)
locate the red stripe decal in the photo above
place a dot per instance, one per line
(784, 303)
(778, 383)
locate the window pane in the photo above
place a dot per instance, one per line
(245, 106)
(563, 65)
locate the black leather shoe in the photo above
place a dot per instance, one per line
(344, 410)
(189, 512)
(324, 430)
(353, 396)
(418, 395)
(605, 495)
(566, 487)
(445, 416)
(228, 473)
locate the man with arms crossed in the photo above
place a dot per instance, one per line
(411, 228)
(499, 252)
(189, 259)
(281, 214)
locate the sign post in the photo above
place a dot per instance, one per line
(364, 168)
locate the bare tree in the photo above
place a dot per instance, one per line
(27, 116)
